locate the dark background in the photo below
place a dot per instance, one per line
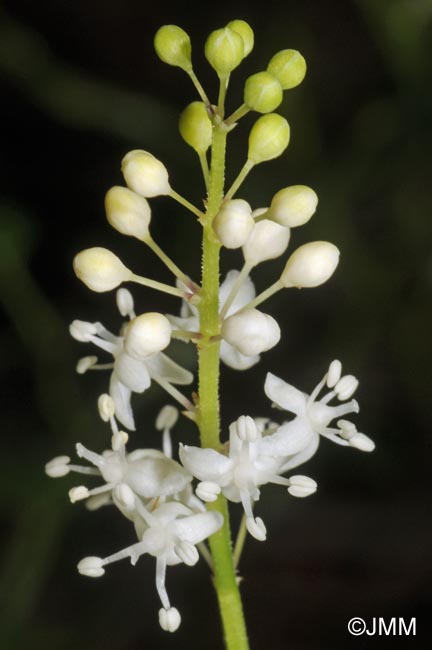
(82, 86)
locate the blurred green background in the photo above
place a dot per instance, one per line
(81, 86)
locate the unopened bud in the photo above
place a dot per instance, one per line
(224, 50)
(251, 332)
(293, 206)
(262, 92)
(128, 212)
(99, 269)
(234, 223)
(145, 174)
(195, 127)
(310, 265)
(268, 139)
(147, 334)
(267, 241)
(242, 28)
(173, 46)
(289, 67)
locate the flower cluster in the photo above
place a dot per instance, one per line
(147, 486)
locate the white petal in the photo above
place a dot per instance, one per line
(162, 366)
(198, 527)
(245, 294)
(291, 438)
(132, 373)
(151, 477)
(284, 395)
(121, 396)
(206, 464)
(302, 456)
(235, 359)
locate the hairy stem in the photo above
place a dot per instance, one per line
(225, 582)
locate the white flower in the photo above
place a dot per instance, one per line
(189, 320)
(170, 533)
(129, 374)
(298, 439)
(239, 475)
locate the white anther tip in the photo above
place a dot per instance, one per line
(169, 619)
(85, 363)
(256, 528)
(78, 493)
(362, 442)
(187, 553)
(167, 417)
(246, 429)
(81, 330)
(125, 302)
(334, 373)
(92, 567)
(207, 491)
(57, 467)
(106, 407)
(346, 387)
(118, 440)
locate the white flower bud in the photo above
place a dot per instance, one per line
(268, 139)
(85, 363)
(147, 334)
(267, 241)
(346, 387)
(334, 373)
(125, 303)
(301, 486)
(81, 330)
(106, 407)
(128, 212)
(310, 265)
(207, 491)
(234, 223)
(251, 332)
(78, 493)
(100, 269)
(167, 417)
(224, 50)
(145, 174)
(91, 567)
(293, 206)
(246, 429)
(169, 619)
(187, 553)
(57, 467)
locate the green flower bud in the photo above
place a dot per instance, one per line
(268, 139)
(262, 92)
(242, 28)
(173, 46)
(293, 206)
(195, 127)
(224, 50)
(289, 67)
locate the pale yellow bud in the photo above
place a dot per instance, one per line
(147, 334)
(245, 31)
(289, 67)
(173, 46)
(145, 174)
(224, 50)
(262, 92)
(293, 206)
(195, 127)
(127, 212)
(100, 269)
(234, 223)
(269, 137)
(310, 265)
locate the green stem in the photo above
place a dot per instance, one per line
(225, 581)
